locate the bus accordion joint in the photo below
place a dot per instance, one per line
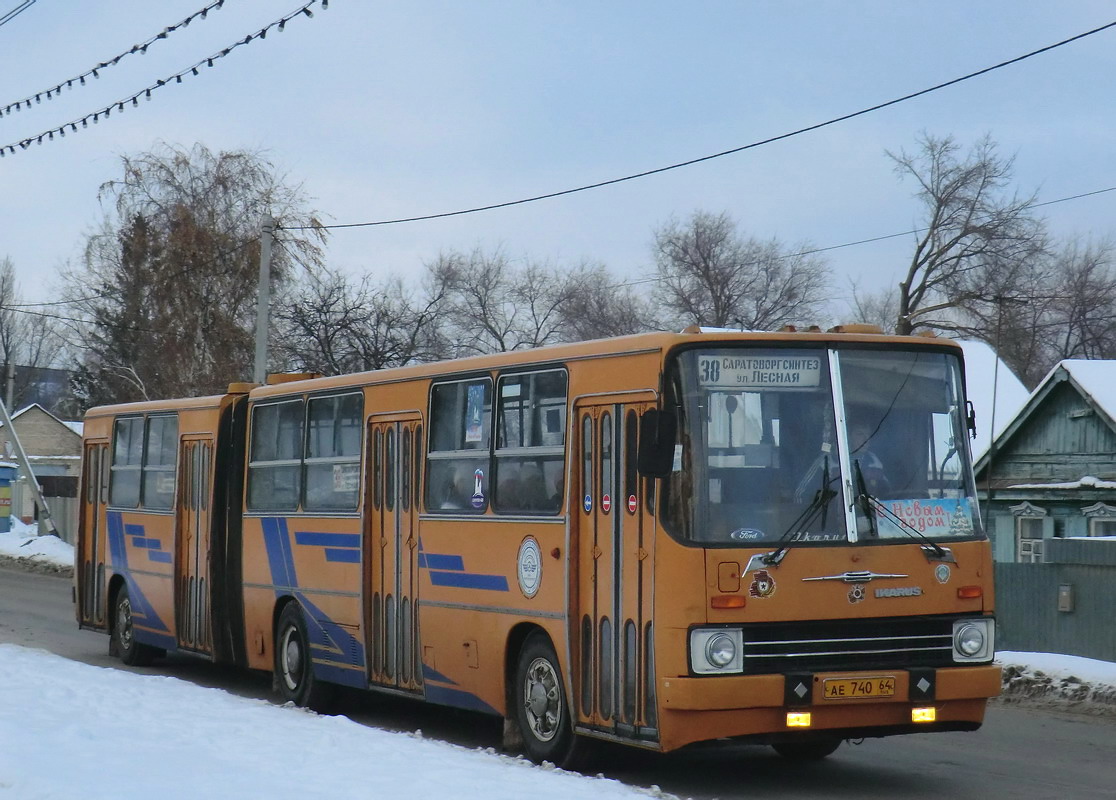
(727, 601)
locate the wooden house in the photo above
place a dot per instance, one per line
(1051, 474)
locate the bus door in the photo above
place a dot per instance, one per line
(91, 548)
(191, 566)
(615, 558)
(391, 550)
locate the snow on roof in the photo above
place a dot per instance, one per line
(1086, 482)
(1096, 377)
(985, 384)
(76, 427)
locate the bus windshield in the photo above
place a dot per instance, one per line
(804, 446)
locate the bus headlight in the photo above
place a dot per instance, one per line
(973, 639)
(720, 651)
(716, 650)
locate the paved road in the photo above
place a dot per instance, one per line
(1019, 753)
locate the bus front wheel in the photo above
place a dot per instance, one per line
(294, 672)
(123, 641)
(541, 710)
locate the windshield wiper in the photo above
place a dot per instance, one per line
(870, 504)
(819, 505)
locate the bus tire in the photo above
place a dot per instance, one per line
(540, 706)
(294, 671)
(814, 750)
(123, 640)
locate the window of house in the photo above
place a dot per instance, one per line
(458, 479)
(1028, 539)
(1101, 519)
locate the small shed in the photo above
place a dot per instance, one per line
(1052, 473)
(53, 446)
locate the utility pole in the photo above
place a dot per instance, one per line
(45, 521)
(263, 297)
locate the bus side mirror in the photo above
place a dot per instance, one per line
(657, 434)
(970, 418)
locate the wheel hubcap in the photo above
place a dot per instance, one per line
(292, 659)
(124, 622)
(542, 700)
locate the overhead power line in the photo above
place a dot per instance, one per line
(95, 72)
(812, 251)
(742, 148)
(15, 12)
(133, 100)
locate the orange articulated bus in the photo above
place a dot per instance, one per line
(657, 540)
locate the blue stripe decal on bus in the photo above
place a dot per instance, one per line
(279, 557)
(443, 562)
(148, 627)
(448, 569)
(447, 696)
(336, 655)
(141, 541)
(316, 539)
(469, 580)
(347, 556)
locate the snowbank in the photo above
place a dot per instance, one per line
(34, 552)
(1068, 683)
(91, 732)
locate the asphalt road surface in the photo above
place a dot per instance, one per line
(1018, 754)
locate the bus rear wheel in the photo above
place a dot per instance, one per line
(541, 710)
(294, 671)
(123, 641)
(814, 750)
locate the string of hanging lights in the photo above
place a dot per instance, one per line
(95, 72)
(133, 100)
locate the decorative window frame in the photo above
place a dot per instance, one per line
(1098, 512)
(1028, 549)
(1026, 509)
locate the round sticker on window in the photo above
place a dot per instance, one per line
(529, 567)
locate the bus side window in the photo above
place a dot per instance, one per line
(530, 442)
(457, 464)
(275, 464)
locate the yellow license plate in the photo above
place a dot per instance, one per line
(854, 688)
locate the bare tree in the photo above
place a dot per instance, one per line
(710, 275)
(1084, 301)
(333, 325)
(879, 307)
(975, 234)
(168, 283)
(30, 346)
(600, 304)
(494, 305)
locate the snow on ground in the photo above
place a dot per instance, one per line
(76, 730)
(23, 543)
(127, 736)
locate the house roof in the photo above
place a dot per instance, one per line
(75, 427)
(996, 394)
(1094, 380)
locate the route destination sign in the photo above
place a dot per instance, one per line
(759, 372)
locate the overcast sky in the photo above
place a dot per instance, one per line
(396, 109)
